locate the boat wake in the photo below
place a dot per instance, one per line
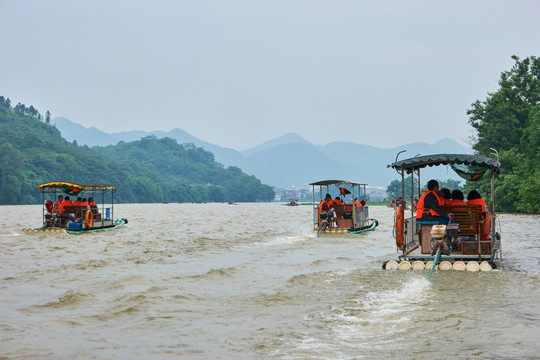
(372, 324)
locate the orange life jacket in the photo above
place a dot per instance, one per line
(357, 204)
(92, 205)
(479, 202)
(420, 210)
(85, 204)
(328, 205)
(457, 202)
(58, 207)
(77, 203)
(67, 203)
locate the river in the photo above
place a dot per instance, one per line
(252, 281)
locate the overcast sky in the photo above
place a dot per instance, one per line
(238, 73)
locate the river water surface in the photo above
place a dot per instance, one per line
(252, 281)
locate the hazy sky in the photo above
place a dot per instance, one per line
(238, 73)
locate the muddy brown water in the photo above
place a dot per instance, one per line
(252, 281)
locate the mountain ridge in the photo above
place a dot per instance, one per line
(288, 160)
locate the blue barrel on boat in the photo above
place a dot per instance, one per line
(108, 213)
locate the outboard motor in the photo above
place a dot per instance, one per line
(444, 237)
(438, 240)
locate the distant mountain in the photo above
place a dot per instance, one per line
(281, 140)
(84, 136)
(289, 160)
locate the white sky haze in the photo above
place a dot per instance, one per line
(237, 73)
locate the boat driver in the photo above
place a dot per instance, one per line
(429, 206)
(326, 207)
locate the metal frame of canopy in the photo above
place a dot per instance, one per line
(68, 187)
(356, 187)
(327, 183)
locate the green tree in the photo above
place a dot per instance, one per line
(395, 188)
(509, 121)
(148, 170)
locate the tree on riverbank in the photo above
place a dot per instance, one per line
(509, 122)
(149, 170)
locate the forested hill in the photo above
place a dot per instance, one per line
(508, 120)
(33, 152)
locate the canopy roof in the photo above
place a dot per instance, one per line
(335, 182)
(73, 188)
(445, 159)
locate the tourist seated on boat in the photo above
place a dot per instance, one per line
(336, 201)
(429, 206)
(92, 205)
(67, 202)
(49, 215)
(446, 195)
(457, 198)
(357, 203)
(58, 207)
(59, 210)
(77, 202)
(474, 197)
(84, 203)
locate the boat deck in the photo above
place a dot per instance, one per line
(416, 254)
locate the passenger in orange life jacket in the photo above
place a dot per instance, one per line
(429, 206)
(67, 202)
(356, 203)
(336, 201)
(58, 205)
(91, 203)
(77, 202)
(457, 198)
(446, 195)
(326, 206)
(474, 197)
(59, 209)
(84, 203)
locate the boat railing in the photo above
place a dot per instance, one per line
(410, 236)
(361, 215)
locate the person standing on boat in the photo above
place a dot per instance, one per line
(429, 206)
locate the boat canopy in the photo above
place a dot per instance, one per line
(469, 167)
(72, 188)
(335, 182)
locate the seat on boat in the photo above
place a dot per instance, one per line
(75, 210)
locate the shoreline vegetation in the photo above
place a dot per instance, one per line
(152, 170)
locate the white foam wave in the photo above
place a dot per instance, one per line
(279, 241)
(382, 313)
(10, 235)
